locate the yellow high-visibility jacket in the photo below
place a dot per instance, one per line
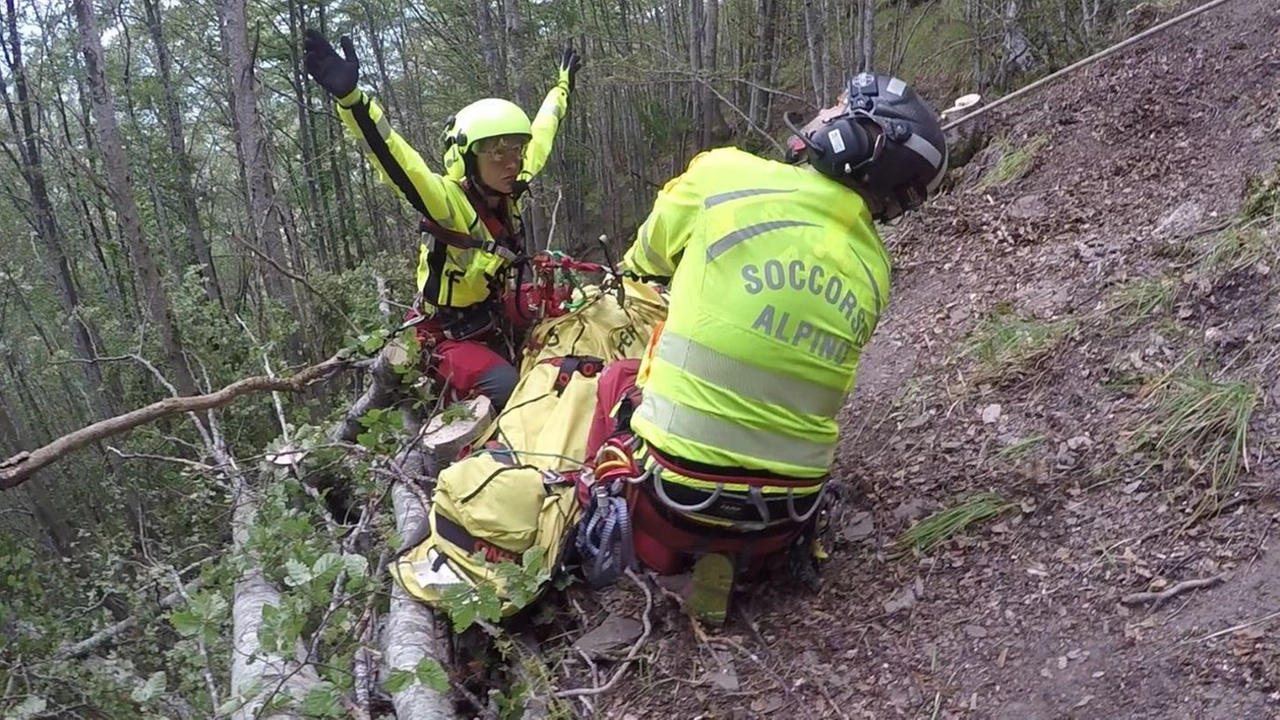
(451, 276)
(778, 280)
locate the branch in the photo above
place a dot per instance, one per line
(631, 655)
(298, 279)
(17, 469)
(750, 123)
(384, 386)
(1158, 597)
(554, 210)
(111, 632)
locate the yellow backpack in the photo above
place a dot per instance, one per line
(501, 518)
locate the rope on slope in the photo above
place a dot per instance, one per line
(1087, 61)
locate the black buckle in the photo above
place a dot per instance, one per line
(585, 365)
(466, 324)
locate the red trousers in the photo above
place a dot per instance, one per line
(471, 367)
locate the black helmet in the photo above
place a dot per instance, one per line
(895, 168)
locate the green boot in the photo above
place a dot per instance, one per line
(712, 587)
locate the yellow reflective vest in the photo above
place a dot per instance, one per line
(778, 280)
(448, 275)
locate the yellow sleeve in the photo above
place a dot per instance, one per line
(545, 125)
(662, 237)
(397, 163)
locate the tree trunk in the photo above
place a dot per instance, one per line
(868, 35)
(45, 223)
(1018, 55)
(266, 215)
(320, 228)
(14, 439)
(250, 664)
(159, 311)
(699, 93)
(172, 116)
(488, 50)
(712, 120)
(814, 36)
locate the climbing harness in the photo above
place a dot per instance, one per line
(754, 497)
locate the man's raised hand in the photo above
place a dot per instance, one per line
(336, 74)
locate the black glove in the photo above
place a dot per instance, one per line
(570, 64)
(335, 74)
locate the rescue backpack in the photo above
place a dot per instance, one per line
(503, 516)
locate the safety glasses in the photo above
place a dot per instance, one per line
(501, 150)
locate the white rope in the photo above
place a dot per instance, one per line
(1087, 61)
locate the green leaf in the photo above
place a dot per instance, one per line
(149, 690)
(186, 623)
(533, 558)
(269, 630)
(398, 680)
(323, 701)
(357, 565)
(296, 573)
(230, 706)
(461, 607)
(327, 566)
(430, 673)
(371, 343)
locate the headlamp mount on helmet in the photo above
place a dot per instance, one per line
(884, 142)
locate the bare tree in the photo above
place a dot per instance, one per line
(172, 116)
(265, 213)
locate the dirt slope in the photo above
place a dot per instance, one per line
(1132, 163)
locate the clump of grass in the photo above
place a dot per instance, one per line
(1262, 197)
(941, 526)
(1237, 248)
(1005, 344)
(1021, 448)
(1140, 299)
(1205, 424)
(1014, 161)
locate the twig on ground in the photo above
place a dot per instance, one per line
(631, 655)
(1172, 590)
(822, 688)
(484, 709)
(1234, 628)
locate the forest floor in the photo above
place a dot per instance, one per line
(1082, 327)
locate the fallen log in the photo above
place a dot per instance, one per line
(383, 391)
(411, 632)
